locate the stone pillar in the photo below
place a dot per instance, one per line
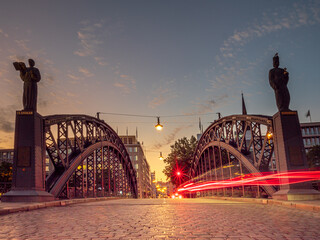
(28, 184)
(290, 155)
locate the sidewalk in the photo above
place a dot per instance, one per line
(7, 208)
(313, 205)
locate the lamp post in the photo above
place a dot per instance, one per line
(158, 126)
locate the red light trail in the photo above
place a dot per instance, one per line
(261, 179)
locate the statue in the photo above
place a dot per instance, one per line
(30, 76)
(278, 79)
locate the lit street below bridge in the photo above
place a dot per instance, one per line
(162, 219)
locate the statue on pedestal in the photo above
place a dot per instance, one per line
(278, 79)
(30, 76)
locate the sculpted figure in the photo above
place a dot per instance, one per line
(30, 76)
(278, 79)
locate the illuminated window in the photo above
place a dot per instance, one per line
(135, 149)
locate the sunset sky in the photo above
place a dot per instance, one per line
(158, 58)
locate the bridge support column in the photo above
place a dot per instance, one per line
(28, 184)
(290, 155)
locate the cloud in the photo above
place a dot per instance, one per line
(74, 77)
(22, 44)
(85, 72)
(101, 61)
(209, 106)
(17, 58)
(3, 33)
(232, 68)
(89, 37)
(169, 139)
(298, 15)
(125, 82)
(7, 118)
(161, 97)
(162, 94)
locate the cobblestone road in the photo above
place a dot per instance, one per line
(162, 219)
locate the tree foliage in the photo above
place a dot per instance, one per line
(313, 156)
(180, 159)
(6, 172)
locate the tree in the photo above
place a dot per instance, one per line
(6, 172)
(313, 156)
(179, 161)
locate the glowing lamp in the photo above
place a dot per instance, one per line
(178, 173)
(158, 126)
(161, 158)
(269, 135)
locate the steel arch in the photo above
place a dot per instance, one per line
(87, 154)
(228, 135)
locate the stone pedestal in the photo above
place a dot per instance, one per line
(28, 183)
(290, 155)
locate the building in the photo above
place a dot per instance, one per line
(153, 185)
(140, 164)
(6, 155)
(310, 134)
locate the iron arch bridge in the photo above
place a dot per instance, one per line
(88, 158)
(231, 148)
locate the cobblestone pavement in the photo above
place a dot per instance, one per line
(163, 219)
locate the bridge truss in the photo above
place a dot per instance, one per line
(232, 147)
(88, 159)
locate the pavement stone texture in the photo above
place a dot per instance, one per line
(163, 219)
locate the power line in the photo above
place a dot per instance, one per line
(140, 115)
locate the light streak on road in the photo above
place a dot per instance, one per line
(261, 179)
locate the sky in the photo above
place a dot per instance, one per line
(158, 58)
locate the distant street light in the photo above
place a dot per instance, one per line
(158, 126)
(161, 158)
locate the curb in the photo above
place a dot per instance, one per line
(287, 204)
(52, 204)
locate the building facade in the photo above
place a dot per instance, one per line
(6, 155)
(140, 164)
(310, 134)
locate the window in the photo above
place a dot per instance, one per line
(130, 140)
(136, 166)
(135, 157)
(130, 149)
(303, 132)
(135, 149)
(125, 140)
(317, 141)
